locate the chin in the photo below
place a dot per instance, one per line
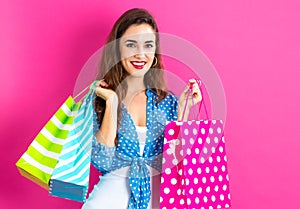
(139, 73)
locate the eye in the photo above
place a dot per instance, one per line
(149, 45)
(130, 45)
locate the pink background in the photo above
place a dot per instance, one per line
(254, 46)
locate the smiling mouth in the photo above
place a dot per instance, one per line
(138, 64)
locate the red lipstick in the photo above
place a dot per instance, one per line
(138, 64)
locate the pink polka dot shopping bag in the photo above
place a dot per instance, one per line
(194, 169)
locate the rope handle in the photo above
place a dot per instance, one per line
(186, 101)
(202, 100)
(91, 86)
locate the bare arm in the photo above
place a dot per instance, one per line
(108, 129)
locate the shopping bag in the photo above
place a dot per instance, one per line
(194, 170)
(70, 177)
(39, 160)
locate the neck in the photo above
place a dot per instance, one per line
(135, 85)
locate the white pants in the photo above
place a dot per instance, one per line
(113, 191)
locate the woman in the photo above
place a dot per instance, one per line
(131, 108)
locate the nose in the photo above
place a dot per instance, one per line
(140, 52)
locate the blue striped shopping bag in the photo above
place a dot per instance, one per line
(70, 177)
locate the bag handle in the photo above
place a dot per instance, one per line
(90, 86)
(202, 100)
(199, 83)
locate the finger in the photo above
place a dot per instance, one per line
(97, 90)
(101, 92)
(196, 89)
(103, 83)
(186, 88)
(195, 86)
(190, 83)
(193, 81)
(197, 95)
(98, 83)
(101, 88)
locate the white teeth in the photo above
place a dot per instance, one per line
(138, 63)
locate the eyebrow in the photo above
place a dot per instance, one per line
(134, 41)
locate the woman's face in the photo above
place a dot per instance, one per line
(137, 47)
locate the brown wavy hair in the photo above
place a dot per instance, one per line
(112, 71)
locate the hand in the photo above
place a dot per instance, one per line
(194, 97)
(102, 90)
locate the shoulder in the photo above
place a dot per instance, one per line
(171, 97)
(169, 102)
(168, 106)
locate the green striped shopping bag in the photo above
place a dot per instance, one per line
(41, 157)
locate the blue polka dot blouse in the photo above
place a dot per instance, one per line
(127, 151)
